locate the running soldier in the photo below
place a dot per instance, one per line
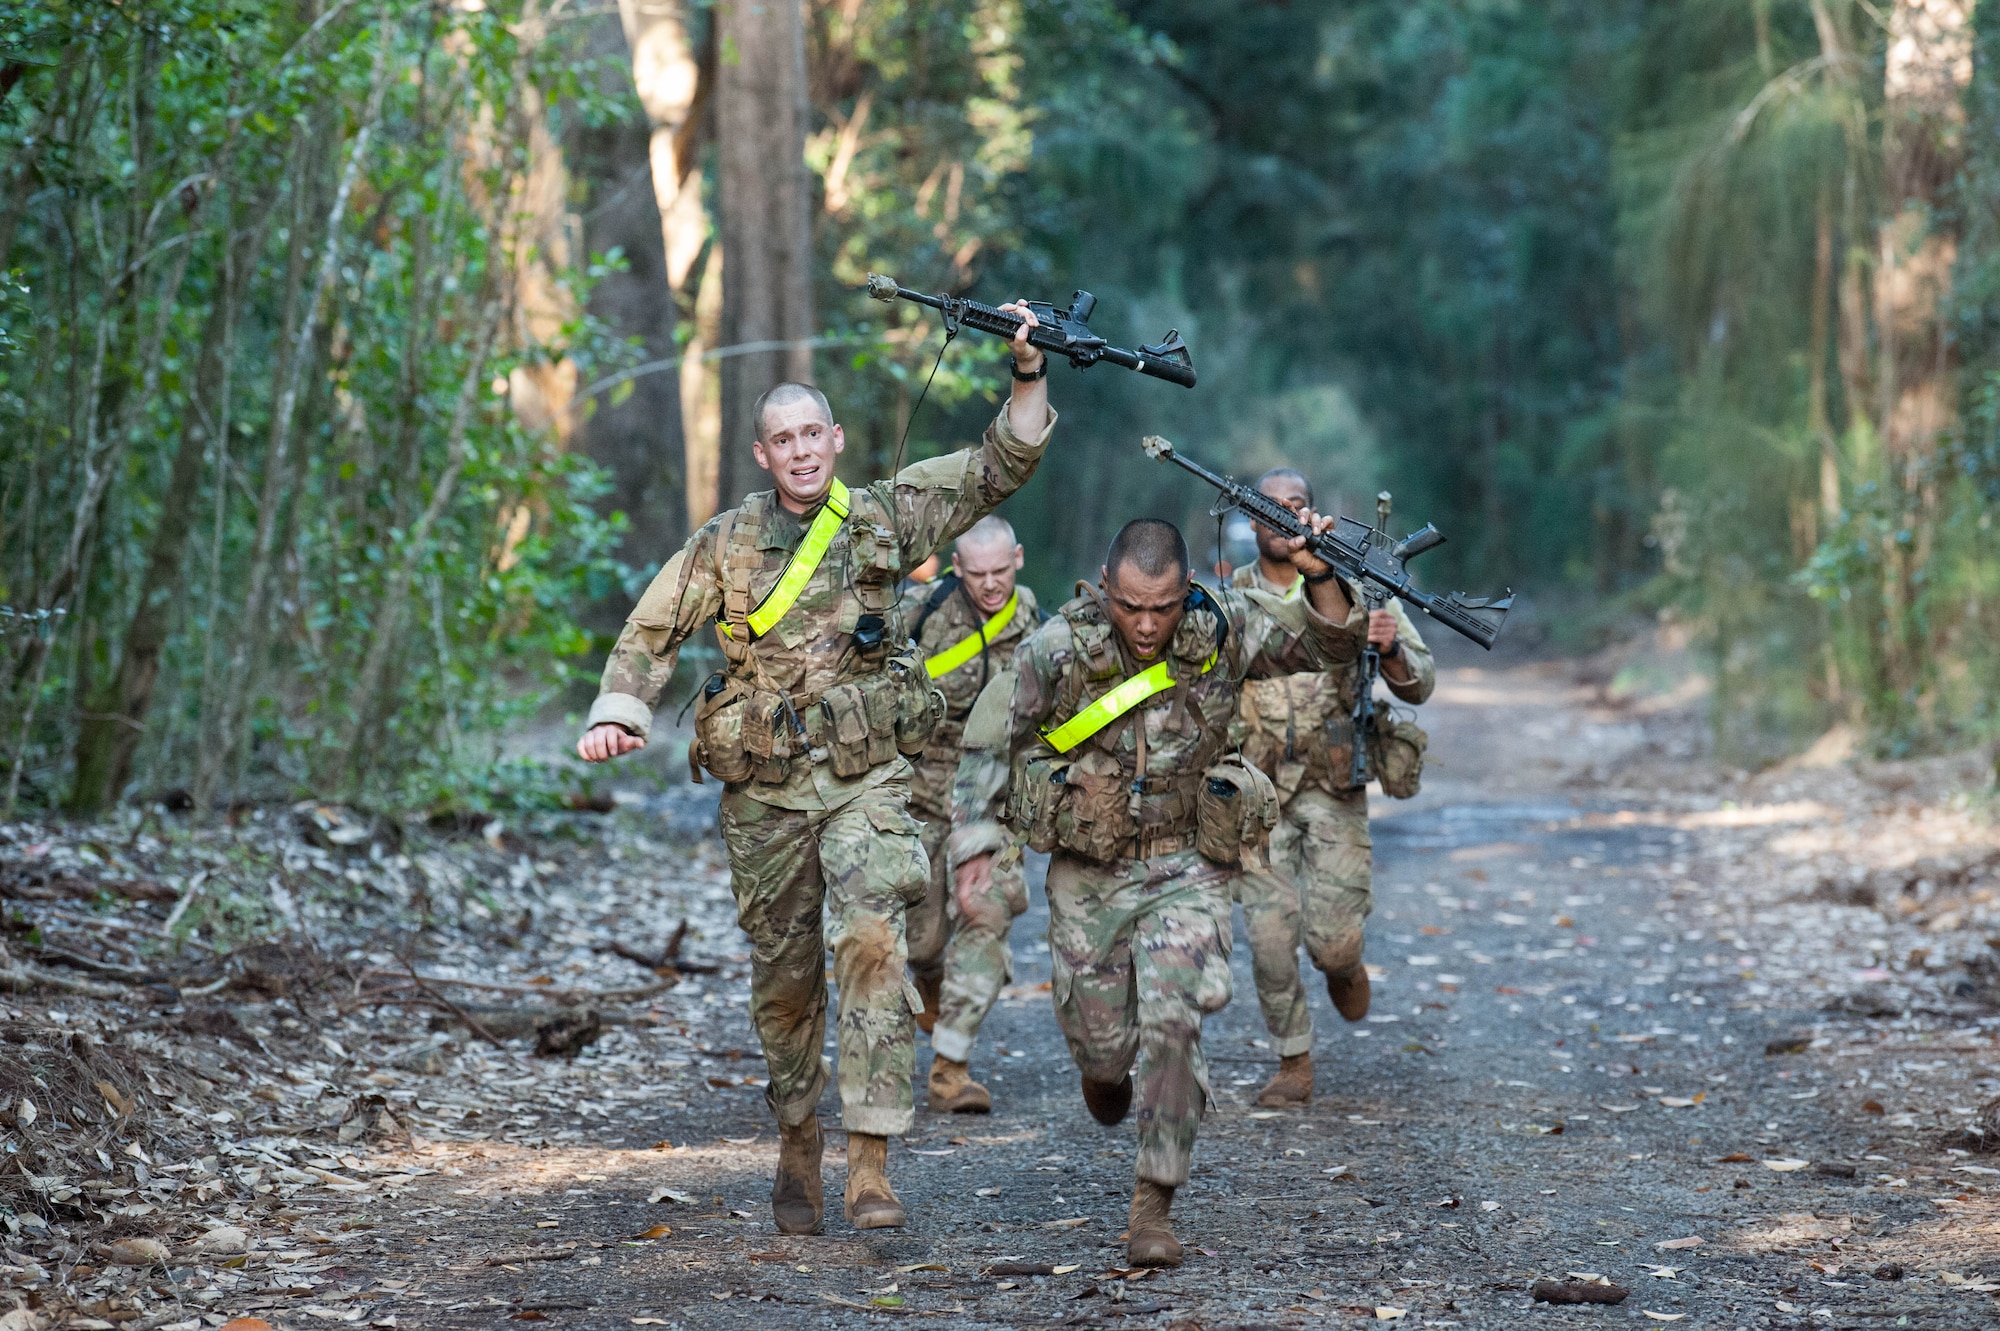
(807, 725)
(966, 627)
(1319, 885)
(1119, 728)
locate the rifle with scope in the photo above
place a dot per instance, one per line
(1365, 555)
(1064, 333)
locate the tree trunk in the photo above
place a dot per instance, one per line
(760, 103)
(1928, 68)
(675, 86)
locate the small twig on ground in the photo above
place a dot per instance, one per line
(471, 1022)
(567, 997)
(193, 890)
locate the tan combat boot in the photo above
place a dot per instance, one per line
(953, 1091)
(797, 1201)
(1292, 1086)
(1349, 992)
(871, 1202)
(929, 988)
(1149, 1238)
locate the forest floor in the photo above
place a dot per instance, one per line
(1722, 1040)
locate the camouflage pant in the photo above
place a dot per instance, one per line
(1319, 890)
(1139, 954)
(978, 961)
(864, 862)
(929, 925)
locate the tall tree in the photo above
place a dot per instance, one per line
(766, 200)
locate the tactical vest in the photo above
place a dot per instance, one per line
(1093, 800)
(758, 713)
(935, 631)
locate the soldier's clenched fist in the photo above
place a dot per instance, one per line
(607, 740)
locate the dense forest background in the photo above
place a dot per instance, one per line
(360, 358)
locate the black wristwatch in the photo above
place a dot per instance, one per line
(1328, 576)
(1014, 368)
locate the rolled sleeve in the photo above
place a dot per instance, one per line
(622, 709)
(1337, 643)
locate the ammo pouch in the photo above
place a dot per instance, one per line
(856, 724)
(1081, 804)
(1234, 813)
(1038, 786)
(1396, 753)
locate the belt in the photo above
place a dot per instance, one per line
(1152, 845)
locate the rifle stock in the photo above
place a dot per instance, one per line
(1364, 554)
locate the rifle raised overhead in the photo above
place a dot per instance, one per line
(1365, 554)
(1064, 333)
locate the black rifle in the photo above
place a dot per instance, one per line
(1365, 554)
(1062, 332)
(1371, 665)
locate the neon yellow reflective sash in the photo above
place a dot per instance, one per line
(804, 563)
(956, 655)
(1157, 678)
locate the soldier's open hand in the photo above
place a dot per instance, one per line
(607, 740)
(971, 881)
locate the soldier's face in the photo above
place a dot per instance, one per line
(798, 449)
(1293, 496)
(1145, 610)
(988, 573)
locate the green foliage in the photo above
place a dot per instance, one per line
(373, 560)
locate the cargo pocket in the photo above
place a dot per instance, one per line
(908, 860)
(1212, 991)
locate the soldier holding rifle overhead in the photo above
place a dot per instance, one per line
(810, 724)
(1119, 738)
(1299, 729)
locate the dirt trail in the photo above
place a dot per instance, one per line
(1590, 946)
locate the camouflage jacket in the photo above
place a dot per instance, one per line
(1280, 719)
(891, 527)
(1075, 658)
(953, 620)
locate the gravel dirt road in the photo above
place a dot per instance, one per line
(1607, 1045)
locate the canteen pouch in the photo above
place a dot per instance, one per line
(1235, 810)
(1032, 796)
(718, 729)
(919, 705)
(1396, 753)
(1094, 817)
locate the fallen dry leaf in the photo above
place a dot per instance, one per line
(1388, 1314)
(1872, 1107)
(1663, 1317)
(655, 1232)
(672, 1195)
(1691, 1241)
(1786, 1166)
(1070, 1223)
(1736, 1158)
(649, 1321)
(1680, 1101)
(138, 1251)
(245, 1324)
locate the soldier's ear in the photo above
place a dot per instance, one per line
(757, 451)
(839, 440)
(1020, 557)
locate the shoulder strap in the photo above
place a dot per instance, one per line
(800, 568)
(1136, 689)
(973, 643)
(932, 603)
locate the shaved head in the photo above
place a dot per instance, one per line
(785, 395)
(1151, 547)
(990, 532)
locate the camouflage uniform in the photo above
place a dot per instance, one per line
(1139, 944)
(962, 940)
(1319, 886)
(798, 832)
